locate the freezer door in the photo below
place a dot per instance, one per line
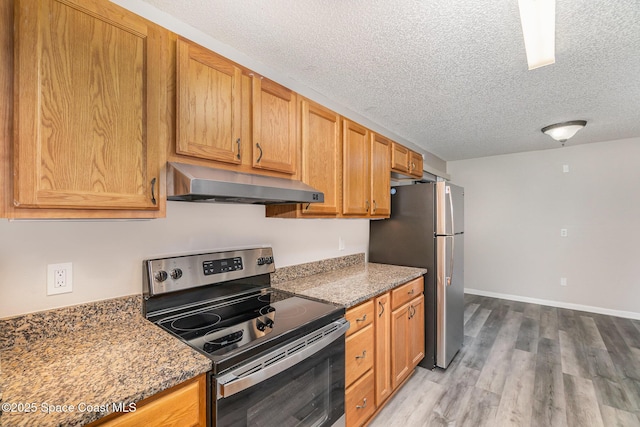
(450, 295)
(449, 209)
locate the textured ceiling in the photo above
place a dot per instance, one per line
(447, 75)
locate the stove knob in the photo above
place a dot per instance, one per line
(161, 276)
(176, 273)
(261, 261)
(269, 260)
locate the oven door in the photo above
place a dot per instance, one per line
(298, 384)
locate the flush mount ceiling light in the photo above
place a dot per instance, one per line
(538, 19)
(563, 131)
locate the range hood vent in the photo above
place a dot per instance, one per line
(193, 183)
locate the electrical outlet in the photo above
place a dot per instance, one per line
(59, 278)
(340, 244)
(563, 281)
(564, 232)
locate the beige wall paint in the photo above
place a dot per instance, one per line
(515, 206)
(107, 255)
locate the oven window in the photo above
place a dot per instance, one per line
(303, 402)
(308, 394)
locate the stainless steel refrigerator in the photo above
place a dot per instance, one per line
(426, 229)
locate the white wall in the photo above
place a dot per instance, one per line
(515, 206)
(107, 255)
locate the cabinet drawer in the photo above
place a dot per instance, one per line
(359, 317)
(359, 354)
(183, 405)
(360, 401)
(406, 292)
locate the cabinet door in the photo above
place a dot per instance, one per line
(86, 122)
(416, 329)
(400, 366)
(383, 348)
(208, 104)
(399, 158)
(356, 184)
(274, 126)
(415, 164)
(321, 156)
(380, 176)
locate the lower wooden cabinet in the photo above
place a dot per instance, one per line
(184, 405)
(384, 344)
(360, 400)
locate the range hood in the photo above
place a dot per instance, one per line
(198, 183)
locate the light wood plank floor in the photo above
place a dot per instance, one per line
(528, 365)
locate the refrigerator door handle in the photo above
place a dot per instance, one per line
(448, 278)
(448, 191)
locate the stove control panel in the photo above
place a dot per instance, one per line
(176, 273)
(221, 265)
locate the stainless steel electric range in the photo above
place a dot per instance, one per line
(278, 359)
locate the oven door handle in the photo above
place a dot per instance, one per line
(291, 354)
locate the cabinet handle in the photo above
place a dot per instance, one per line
(412, 311)
(364, 404)
(238, 142)
(364, 354)
(367, 204)
(307, 207)
(375, 206)
(153, 191)
(260, 156)
(411, 291)
(381, 308)
(413, 166)
(362, 319)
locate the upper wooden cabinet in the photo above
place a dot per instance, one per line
(399, 158)
(406, 161)
(356, 190)
(88, 109)
(274, 126)
(209, 102)
(415, 164)
(228, 117)
(321, 156)
(380, 174)
(366, 172)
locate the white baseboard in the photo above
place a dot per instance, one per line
(559, 304)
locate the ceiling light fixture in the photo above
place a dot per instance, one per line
(538, 19)
(563, 131)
